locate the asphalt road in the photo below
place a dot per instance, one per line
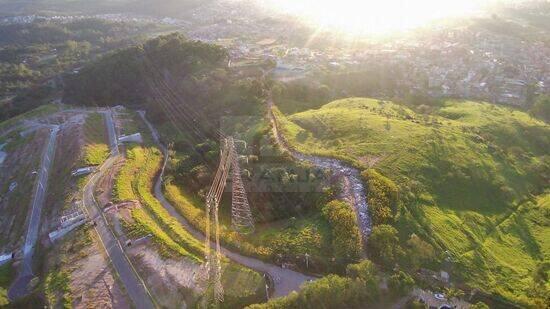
(133, 284)
(19, 287)
(284, 280)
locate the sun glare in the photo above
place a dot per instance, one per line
(358, 17)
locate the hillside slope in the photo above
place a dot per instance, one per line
(473, 179)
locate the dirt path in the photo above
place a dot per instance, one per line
(353, 188)
(284, 280)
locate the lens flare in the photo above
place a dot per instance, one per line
(376, 17)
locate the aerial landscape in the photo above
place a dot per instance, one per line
(274, 154)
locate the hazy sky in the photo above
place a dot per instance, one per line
(377, 16)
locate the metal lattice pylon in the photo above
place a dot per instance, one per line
(210, 272)
(241, 215)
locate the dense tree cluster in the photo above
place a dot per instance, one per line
(357, 290)
(541, 108)
(346, 239)
(382, 197)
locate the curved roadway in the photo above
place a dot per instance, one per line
(284, 280)
(135, 287)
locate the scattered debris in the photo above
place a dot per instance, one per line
(110, 207)
(138, 241)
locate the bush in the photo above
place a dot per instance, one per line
(346, 239)
(479, 305)
(384, 245)
(400, 284)
(328, 292)
(382, 197)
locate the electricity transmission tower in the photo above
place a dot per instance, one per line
(241, 216)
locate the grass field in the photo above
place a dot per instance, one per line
(40, 111)
(96, 149)
(471, 178)
(135, 182)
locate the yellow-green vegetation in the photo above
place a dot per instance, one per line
(358, 289)
(242, 286)
(472, 179)
(196, 216)
(346, 239)
(57, 290)
(96, 149)
(382, 194)
(6, 276)
(56, 284)
(297, 236)
(135, 182)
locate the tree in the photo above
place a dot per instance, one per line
(328, 292)
(346, 239)
(419, 252)
(384, 245)
(541, 108)
(400, 283)
(364, 270)
(382, 196)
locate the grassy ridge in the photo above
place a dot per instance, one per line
(40, 111)
(135, 181)
(465, 176)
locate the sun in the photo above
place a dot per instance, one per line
(356, 17)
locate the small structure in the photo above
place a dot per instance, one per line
(62, 231)
(82, 171)
(133, 138)
(3, 154)
(4, 258)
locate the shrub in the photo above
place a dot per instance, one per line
(419, 252)
(400, 283)
(346, 239)
(382, 196)
(384, 245)
(479, 305)
(328, 292)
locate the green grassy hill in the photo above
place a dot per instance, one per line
(473, 179)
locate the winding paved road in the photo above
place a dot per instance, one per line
(133, 284)
(19, 288)
(284, 280)
(353, 189)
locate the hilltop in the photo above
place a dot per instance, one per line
(472, 178)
